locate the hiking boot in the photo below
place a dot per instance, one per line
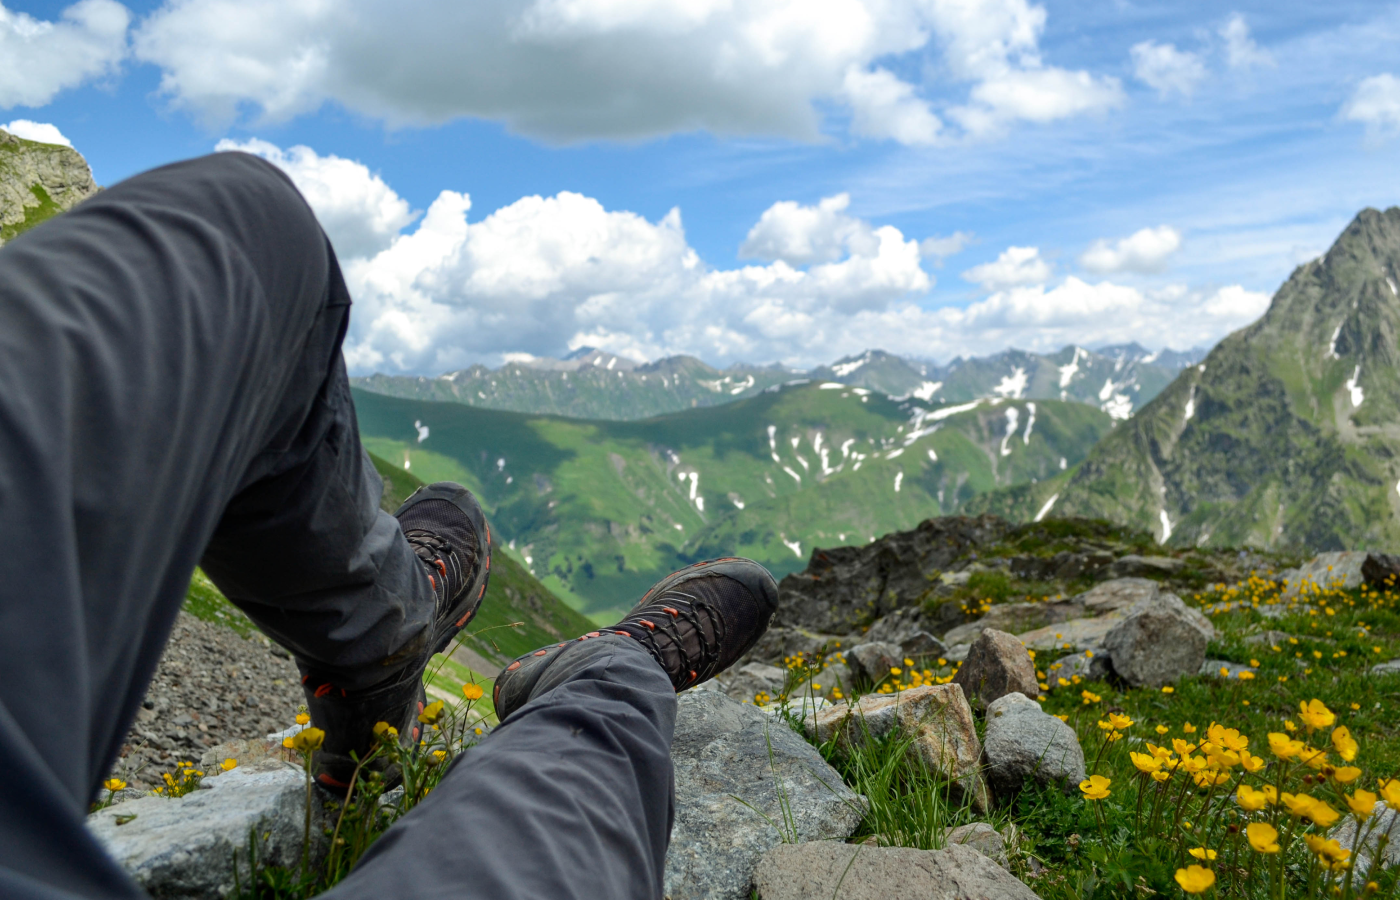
(447, 530)
(695, 623)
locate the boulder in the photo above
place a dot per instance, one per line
(981, 837)
(747, 681)
(1384, 822)
(936, 717)
(1156, 642)
(872, 661)
(908, 629)
(1076, 634)
(997, 664)
(1345, 570)
(1133, 565)
(1120, 593)
(1023, 743)
(184, 846)
(1387, 668)
(857, 872)
(846, 588)
(778, 643)
(721, 752)
(1015, 618)
(1090, 665)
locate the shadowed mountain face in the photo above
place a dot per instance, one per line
(593, 384)
(600, 510)
(1285, 436)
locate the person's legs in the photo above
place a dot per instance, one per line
(571, 798)
(170, 350)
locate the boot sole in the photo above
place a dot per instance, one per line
(468, 601)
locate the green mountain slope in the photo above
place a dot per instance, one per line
(600, 510)
(38, 181)
(1286, 436)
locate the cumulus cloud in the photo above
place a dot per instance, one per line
(42, 132)
(938, 248)
(544, 275)
(361, 214)
(1166, 69)
(38, 58)
(1015, 266)
(583, 69)
(1375, 103)
(800, 235)
(1143, 252)
(1241, 52)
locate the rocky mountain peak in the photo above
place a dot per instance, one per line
(38, 181)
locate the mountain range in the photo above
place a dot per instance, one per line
(599, 510)
(1287, 435)
(594, 384)
(38, 181)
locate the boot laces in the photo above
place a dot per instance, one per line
(689, 608)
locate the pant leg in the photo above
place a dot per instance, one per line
(572, 798)
(169, 350)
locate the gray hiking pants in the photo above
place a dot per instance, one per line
(172, 392)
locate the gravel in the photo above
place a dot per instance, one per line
(212, 686)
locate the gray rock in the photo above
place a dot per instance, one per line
(745, 682)
(996, 665)
(1133, 565)
(935, 717)
(779, 643)
(1156, 642)
(1270, 638)
(1090, 665)
(1076, 634)
(983, 838)
(1384, 822)
(1023, 743)
(1387, 668)
(872, 661)
(958, 652)
(184, 847)
(59, 172)
(1015, 618)
(1233, 670)
(833, 678)
(720, 752)
(908, 629)
(1120, 593)
(856, 872)
(1345, 570)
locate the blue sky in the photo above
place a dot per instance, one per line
(1116, 171)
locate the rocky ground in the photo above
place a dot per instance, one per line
(212, 686)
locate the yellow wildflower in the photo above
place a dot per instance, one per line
(1346, 774)
(1162, 729)
(1330, 853)
(1168, 689)
(1089, 697)
(1189, 728)
(1362, 803)
(1346, 745)
(1390, 792)
(1194, 879)
(431, 713)
(1263, 837)
(229, 764)
(303, 719)
(114, 784)
(1202, 853)
(1095, 787)
(1145, 762)
(1249, 799)
(1315, 714)
(308, 740)
(383, 728)
(471, 691)
(1121, 723)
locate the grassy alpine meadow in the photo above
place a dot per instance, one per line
(1231, 783)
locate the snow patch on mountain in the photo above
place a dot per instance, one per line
(1071, 369)
(1045, 510)
(1012, 416)
(1354, 387)
(1030, 423)
(1012, 386)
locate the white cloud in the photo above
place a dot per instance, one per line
(800, 235)
(1375, 103)
(38, 59)
(1015, 266)
(1144, 252)
(361, 214)
(584, 69)
(1166, 69)
(544, 275)
(940, 248)
(42, 132)
(1241, 52)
